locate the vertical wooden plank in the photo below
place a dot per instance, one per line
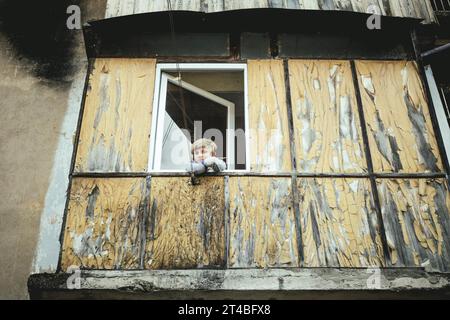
(189, 5)
(112, 8)
(248, 4)
(401, 135)
(157, 5)
(185, 228)
(103, 223)
(428, 11)
(262, 223)
(345, 5)
(363, 5)
(400, 8)
(127, 7)
(284, 4)
(163, 5)
(416, 214)
(268, 123)
(116, 122)
(339, 223)
(213, 5)
(141, 6)
(325, 114)
(412, 8)
(309, 4)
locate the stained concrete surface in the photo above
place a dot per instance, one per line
(34, 90)
(272, 283)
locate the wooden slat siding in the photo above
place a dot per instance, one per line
(116, 122)
(185, 228)
(414, 9)
(113, 8)
(416, 215)
(268, 122)
(239, 4)
(397, 8)
(152, 6)
(363, 5)
(262, 227)
(127, 6)
(103, 223)
(325, 114)
(399, 127)
(339, 223)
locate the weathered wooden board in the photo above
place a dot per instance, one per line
(403, 8)
(325, 116)
(116, 122)
(416, 215)
(103, 224)
(339, 223)
(185, 228)
(262, 224)
(401, 135)
(268, 122)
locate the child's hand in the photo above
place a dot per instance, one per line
(197, 168)
(210, 161)
(215, 163)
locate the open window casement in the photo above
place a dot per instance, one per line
(185, 114)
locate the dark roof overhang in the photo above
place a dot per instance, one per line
(131, 35)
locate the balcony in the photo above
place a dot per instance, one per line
(440, 5)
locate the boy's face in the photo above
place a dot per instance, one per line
(201, 154)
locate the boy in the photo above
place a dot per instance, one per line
(204, 153)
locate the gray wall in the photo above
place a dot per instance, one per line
(38, 79)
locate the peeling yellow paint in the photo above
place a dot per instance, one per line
(115, 129)
(262, 223)
(342, 234)
(186, 223)
(103, 223)
(400, 131)
(268, 122)
(416, 216)
(325, 116)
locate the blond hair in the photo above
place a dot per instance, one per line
(206, 143)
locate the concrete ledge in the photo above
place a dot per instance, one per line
(304, 283)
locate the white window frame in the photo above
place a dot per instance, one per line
(165, 79)
(443, 125)
(159, 109)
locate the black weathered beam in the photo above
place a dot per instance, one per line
(203, 35)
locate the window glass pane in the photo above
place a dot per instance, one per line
(176, 147)
(200, 108)
(194, 117)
